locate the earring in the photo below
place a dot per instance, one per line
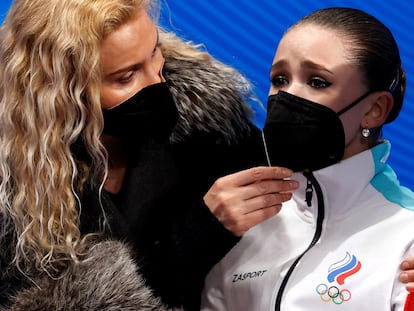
(366, 132)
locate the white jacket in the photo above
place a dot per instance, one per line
(345, 256)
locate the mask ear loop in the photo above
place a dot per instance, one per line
(265, 150)
(353, 104)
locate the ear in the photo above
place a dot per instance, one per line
(381, 105)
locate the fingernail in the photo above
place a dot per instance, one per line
(405, 265)
(410, 287)
(286, 171)
(294, 184)
(404, 277)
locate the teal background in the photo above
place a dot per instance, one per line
(245, 33)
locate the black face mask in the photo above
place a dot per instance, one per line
(303, 135)
(149, 113)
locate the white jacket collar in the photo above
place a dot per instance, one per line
(342, 183)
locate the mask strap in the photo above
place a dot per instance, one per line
(265, 150)
(354, 103)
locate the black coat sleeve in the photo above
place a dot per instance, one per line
(197, 238)
(177, 240)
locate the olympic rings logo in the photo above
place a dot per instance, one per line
(333, 294)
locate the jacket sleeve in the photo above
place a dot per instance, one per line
(176, 238)
(186, 245)
(195, 240)
(201, 243)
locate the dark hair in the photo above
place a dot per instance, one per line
(373, 47)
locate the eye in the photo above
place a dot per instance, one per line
(278, 81)
(126, 78)
(319, 83)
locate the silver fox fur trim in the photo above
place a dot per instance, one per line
(208, 99)
(107, 280)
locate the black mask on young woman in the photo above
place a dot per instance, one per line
(149, 113)
(303, 135)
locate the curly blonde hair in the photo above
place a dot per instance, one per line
(50, 79)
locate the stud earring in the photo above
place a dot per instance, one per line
(366, 132)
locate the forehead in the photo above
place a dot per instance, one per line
(129, 44)
(321, 45)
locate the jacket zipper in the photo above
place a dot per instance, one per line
(312, 183)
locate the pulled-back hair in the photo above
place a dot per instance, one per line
(50, 79)
(372, 46)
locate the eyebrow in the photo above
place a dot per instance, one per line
(316, 66)
(277, 65)
(306, 63)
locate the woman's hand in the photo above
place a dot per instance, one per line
(407, 275)
(246, 198)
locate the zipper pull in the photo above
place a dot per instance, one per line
(309, 192)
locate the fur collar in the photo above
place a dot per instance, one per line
(209, 99)
(107, 280)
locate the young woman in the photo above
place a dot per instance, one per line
(336, 80)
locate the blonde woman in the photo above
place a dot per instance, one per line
(101, 137)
